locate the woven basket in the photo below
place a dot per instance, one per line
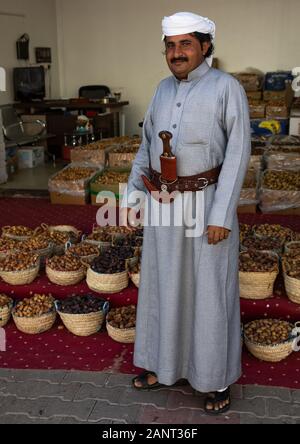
(5, 313)
(44, 255)
(101, 245)
(36, 324)
(7, 235)
(107, 283)
(83, 324)
(135, 277)
(257, 285)
(287, 248)
(85, 259)
(3, 254)
(58, 250)
(65, 278)
(126, 336)
(270, 353)
(64, 229)
(292, 287)
(24, 277)
(17, 238)
(88, 259)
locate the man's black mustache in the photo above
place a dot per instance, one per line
(180, 59)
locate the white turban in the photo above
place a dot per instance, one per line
(186, 23)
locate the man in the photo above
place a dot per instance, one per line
(188, 324)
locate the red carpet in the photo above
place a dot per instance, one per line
(59, 349)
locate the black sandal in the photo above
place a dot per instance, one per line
(143, 379)
(215, 398)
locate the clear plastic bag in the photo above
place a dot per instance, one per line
(275, 149)
(248, 197)
(63, 183)
(251, 179)
(285, 140)
(249, 193)
(282, 161)
(272, 197)
(256, 162)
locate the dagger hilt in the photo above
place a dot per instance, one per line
(166, 138)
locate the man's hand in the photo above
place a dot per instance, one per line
(217, 234)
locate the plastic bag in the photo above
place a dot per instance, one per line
(285, 140)
(274, 149)
(249, 193)
(273, 196)
(248, 197)
(256, 162)
(282, 161)
(60, 182)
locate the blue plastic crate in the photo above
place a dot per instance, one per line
(276, 81)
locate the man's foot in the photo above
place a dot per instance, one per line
(217, 403)
(146, 381)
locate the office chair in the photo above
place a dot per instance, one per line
(94, 92)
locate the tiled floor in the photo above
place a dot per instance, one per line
(61, 397)
(33, 178)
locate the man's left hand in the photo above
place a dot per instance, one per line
(217, 234)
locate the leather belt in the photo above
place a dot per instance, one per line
(199, 182)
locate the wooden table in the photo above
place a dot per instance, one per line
(117, 108)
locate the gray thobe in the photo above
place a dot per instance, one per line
(188, 323)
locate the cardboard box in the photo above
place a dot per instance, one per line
(277, 111)
(67, 199)
(257, 110)
(71, 192)
(250, 81)
(247, 209)
(294, 126)
(254, 95)
(275, 96)
(31, 157)
(96, 188)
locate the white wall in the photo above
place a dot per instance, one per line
(117, 42)
(39, 22)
